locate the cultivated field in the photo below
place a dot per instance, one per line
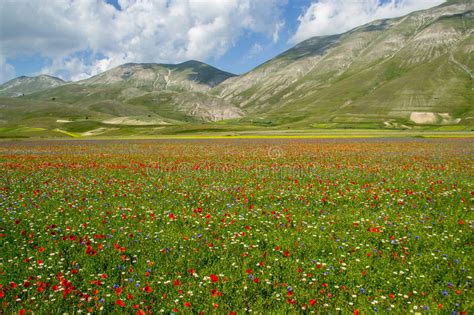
(236, 225)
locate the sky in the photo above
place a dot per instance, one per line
(76, 39)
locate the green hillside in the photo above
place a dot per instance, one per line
(414, 70)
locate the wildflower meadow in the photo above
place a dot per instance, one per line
(233, 226)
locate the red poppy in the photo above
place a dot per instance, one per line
(214, 278)
(147, 289)
(120, 303)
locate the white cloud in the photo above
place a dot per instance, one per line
(7, 72)
(254, 51)
(276, 32)
(142, 31)
(327, 17)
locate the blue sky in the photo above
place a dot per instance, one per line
(80, 38)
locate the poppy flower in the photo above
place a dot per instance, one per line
(214, 278)
(147, 289)
(120, 303)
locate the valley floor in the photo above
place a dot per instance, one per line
(213, 131)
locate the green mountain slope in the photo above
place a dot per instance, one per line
(415, 69)
(166, 91)
(27, 85)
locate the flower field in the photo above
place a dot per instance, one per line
(350, 226)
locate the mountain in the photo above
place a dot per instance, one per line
(414, 69)
(27, 85)
(189, 75)
(128, 95)
(410, 72)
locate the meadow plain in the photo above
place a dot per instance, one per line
(226, 226)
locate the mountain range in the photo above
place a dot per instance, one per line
(410, 72)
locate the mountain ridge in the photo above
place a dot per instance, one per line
(23, 85)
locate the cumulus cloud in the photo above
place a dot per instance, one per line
(327, 17)
(142, 31)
